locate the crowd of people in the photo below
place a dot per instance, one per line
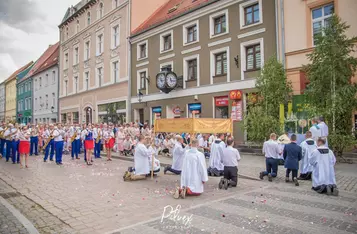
(313, 157)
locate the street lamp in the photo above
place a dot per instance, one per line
(140, 96)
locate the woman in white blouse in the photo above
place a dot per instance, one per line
(24, 146)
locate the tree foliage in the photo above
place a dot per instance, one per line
(273, 89)
(332, 65)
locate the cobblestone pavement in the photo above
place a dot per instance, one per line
(9, 223)
(75, 198)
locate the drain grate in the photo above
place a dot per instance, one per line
(10, 195)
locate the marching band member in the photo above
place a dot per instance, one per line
(15, 152)
(74, 138)
(48, 143)
(97, 135)
(58, 134)
(8, 138)
(83, 136)
(89, 143)
(24, 146)
(34, 140)
(40, 138)
(2, 139)
(109, 141)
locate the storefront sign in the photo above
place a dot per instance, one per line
(156, 109)
(235, 95)
(237, 111)
(195, 107)
(176, 110)
(221, 101)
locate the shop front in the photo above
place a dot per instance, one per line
(112, 113)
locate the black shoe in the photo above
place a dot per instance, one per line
(60, 163)
(328, 190)
(261, 175)
(57, 163)
(296, 181)
(270, 178)
(13, 163)
(225, 184)
(7, 160)
(221, 182)
(51, 160)
(18, 162)
(91, 160)
(72, 158)
(77, 157)
(287, 179)
(44, 160)
(335, 191)
(165, 170)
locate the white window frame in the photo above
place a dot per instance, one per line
(115, 4)
(322, 19)
(88, 16)
(46, 81)
(167, 63)
(185, 33)
(113, 78)
(213, 64)
(85, 57)
(185, 69)
(77, 26)
(113, 41)
(54, 100)
(66, 60)
(211, 23)
(138, 80)
(243, 53)
(84, 80)
(98, 53)
(75, 59)
(65, 85)
(101, 84)
(75, 89)
(138, 50)
(162, 35)
(242, 6)
(54, 77)
(100, 10)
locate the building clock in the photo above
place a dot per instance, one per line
(166, 81)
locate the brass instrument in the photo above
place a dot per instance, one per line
(98, 137)
(48, 141)
(2, 133)
(74, 136)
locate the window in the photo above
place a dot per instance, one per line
(99, 72)
(166, 67)
(100, 10)
(53, 99)
(142, 80)
(67, 33)
(116, 71)
(320, 19)
(221, 107)
(76, 56)
(115, 41)
(40, 103)
(46, 102)
(192, 69)
(100, 44)
(253, 57)
(36, 104)
(220, 24)
(75, 84)
(53, 77)
(65, 60)
(143, 51)
(86, 81)
(221, 64)
(166, 41)
(36, 88)
(88, 18)
(115, 3)
(26, 104)
(19, 105)
(251, 14)
(77, 26)
(66, 87)
(87, 51)
(192, 34)
(40, 82)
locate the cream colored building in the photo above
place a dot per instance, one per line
(94, 57)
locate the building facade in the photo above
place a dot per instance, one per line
(10, 94)
(2, 101)
(45, 87)
(214, 47)
(94, 55)
(24, 96)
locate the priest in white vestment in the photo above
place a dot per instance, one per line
(178, 153)
(141, 162)
(194, 173)
(315, 130)
(323, 173)
(307, 147)
(324, 129)
(215, 161)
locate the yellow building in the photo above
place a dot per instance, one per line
(10, 94)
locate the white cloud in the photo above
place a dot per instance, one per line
(24, 39)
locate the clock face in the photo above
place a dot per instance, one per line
(160, 80)
(171, 80)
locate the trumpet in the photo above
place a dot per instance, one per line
(2, 133)
(74, 136)
(98, 139)
(48, 141)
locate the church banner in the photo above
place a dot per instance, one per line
(194, 125)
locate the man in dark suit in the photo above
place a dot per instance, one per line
(292, 156)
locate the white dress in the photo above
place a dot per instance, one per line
(216, 155)
(141, 160)
(307, 146)
(323, 161)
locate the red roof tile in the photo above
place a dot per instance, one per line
(13, 75)
(169, 10)
(41, 61)
(52, 60)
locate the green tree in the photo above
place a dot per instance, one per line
(330, 92)
(273, 89)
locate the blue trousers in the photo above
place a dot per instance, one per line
(271, 167)
(8, 149)
(34, 145)
(97, 149)
(75, 148)
(50, 146)
(2, 144)
(59, 150)
(15, 151)
(85, 152)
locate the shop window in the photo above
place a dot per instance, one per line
(221, 107)
(75, 117)
(195, 108)
(63, 118)
(112, 112)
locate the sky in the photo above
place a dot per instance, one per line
(27, 28)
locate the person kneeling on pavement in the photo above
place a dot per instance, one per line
(230, 161)
(141, 162)
(215, 164)
(292, 155)
(193, 174)
(271, 150)
(323, 172)
(178, 154)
